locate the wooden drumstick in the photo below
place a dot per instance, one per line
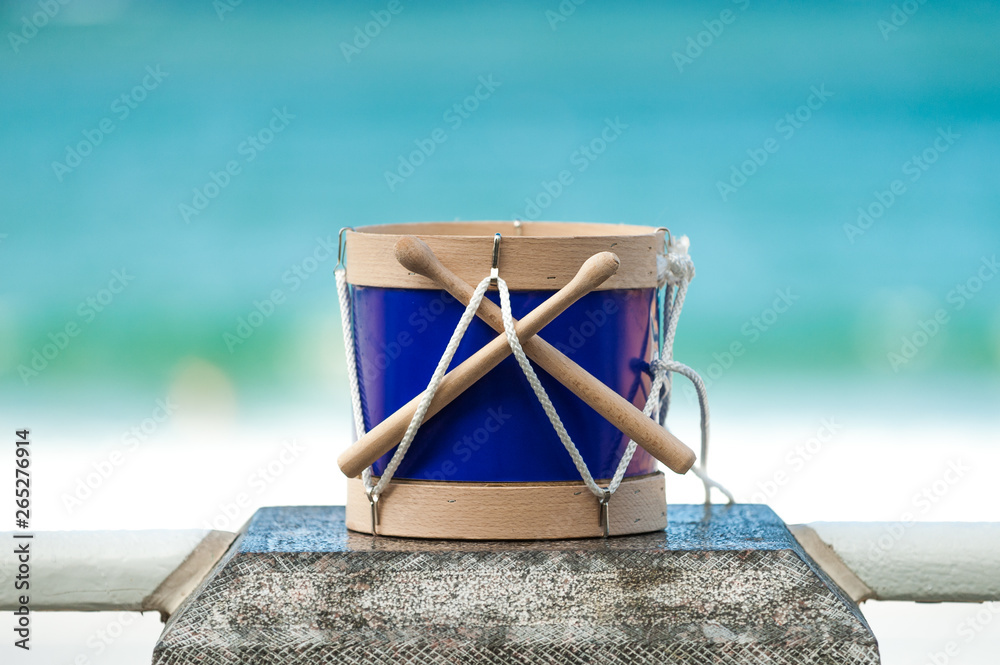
(414, 255)
(380, 440)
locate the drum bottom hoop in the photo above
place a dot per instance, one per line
(507, 511)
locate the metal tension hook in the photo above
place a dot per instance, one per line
(373, 501)
(605, 517)
(341, 246)
(667, 239)
(494, 271)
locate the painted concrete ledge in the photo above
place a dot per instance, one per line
(915, 561)
(110, 570)
(722, 585)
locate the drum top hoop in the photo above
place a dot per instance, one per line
(540, 256)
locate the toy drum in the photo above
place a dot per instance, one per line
(489, 464)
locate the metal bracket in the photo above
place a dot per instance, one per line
(494, 271)
(666, 238)
(341, 245)
(605, 516)
(373, 501)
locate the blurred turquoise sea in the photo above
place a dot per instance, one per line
(167, 166)
(688, 122)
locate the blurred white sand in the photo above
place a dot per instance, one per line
(878, 464)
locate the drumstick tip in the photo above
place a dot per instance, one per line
(598, 268)
(415, 255)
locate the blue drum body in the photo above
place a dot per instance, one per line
(497, 431)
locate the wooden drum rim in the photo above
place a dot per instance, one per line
(507, 511)
(534, 256)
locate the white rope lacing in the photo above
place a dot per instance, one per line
(347, 320)
(374, 492)
(347, 323)
(543, 397)
(675, 273)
